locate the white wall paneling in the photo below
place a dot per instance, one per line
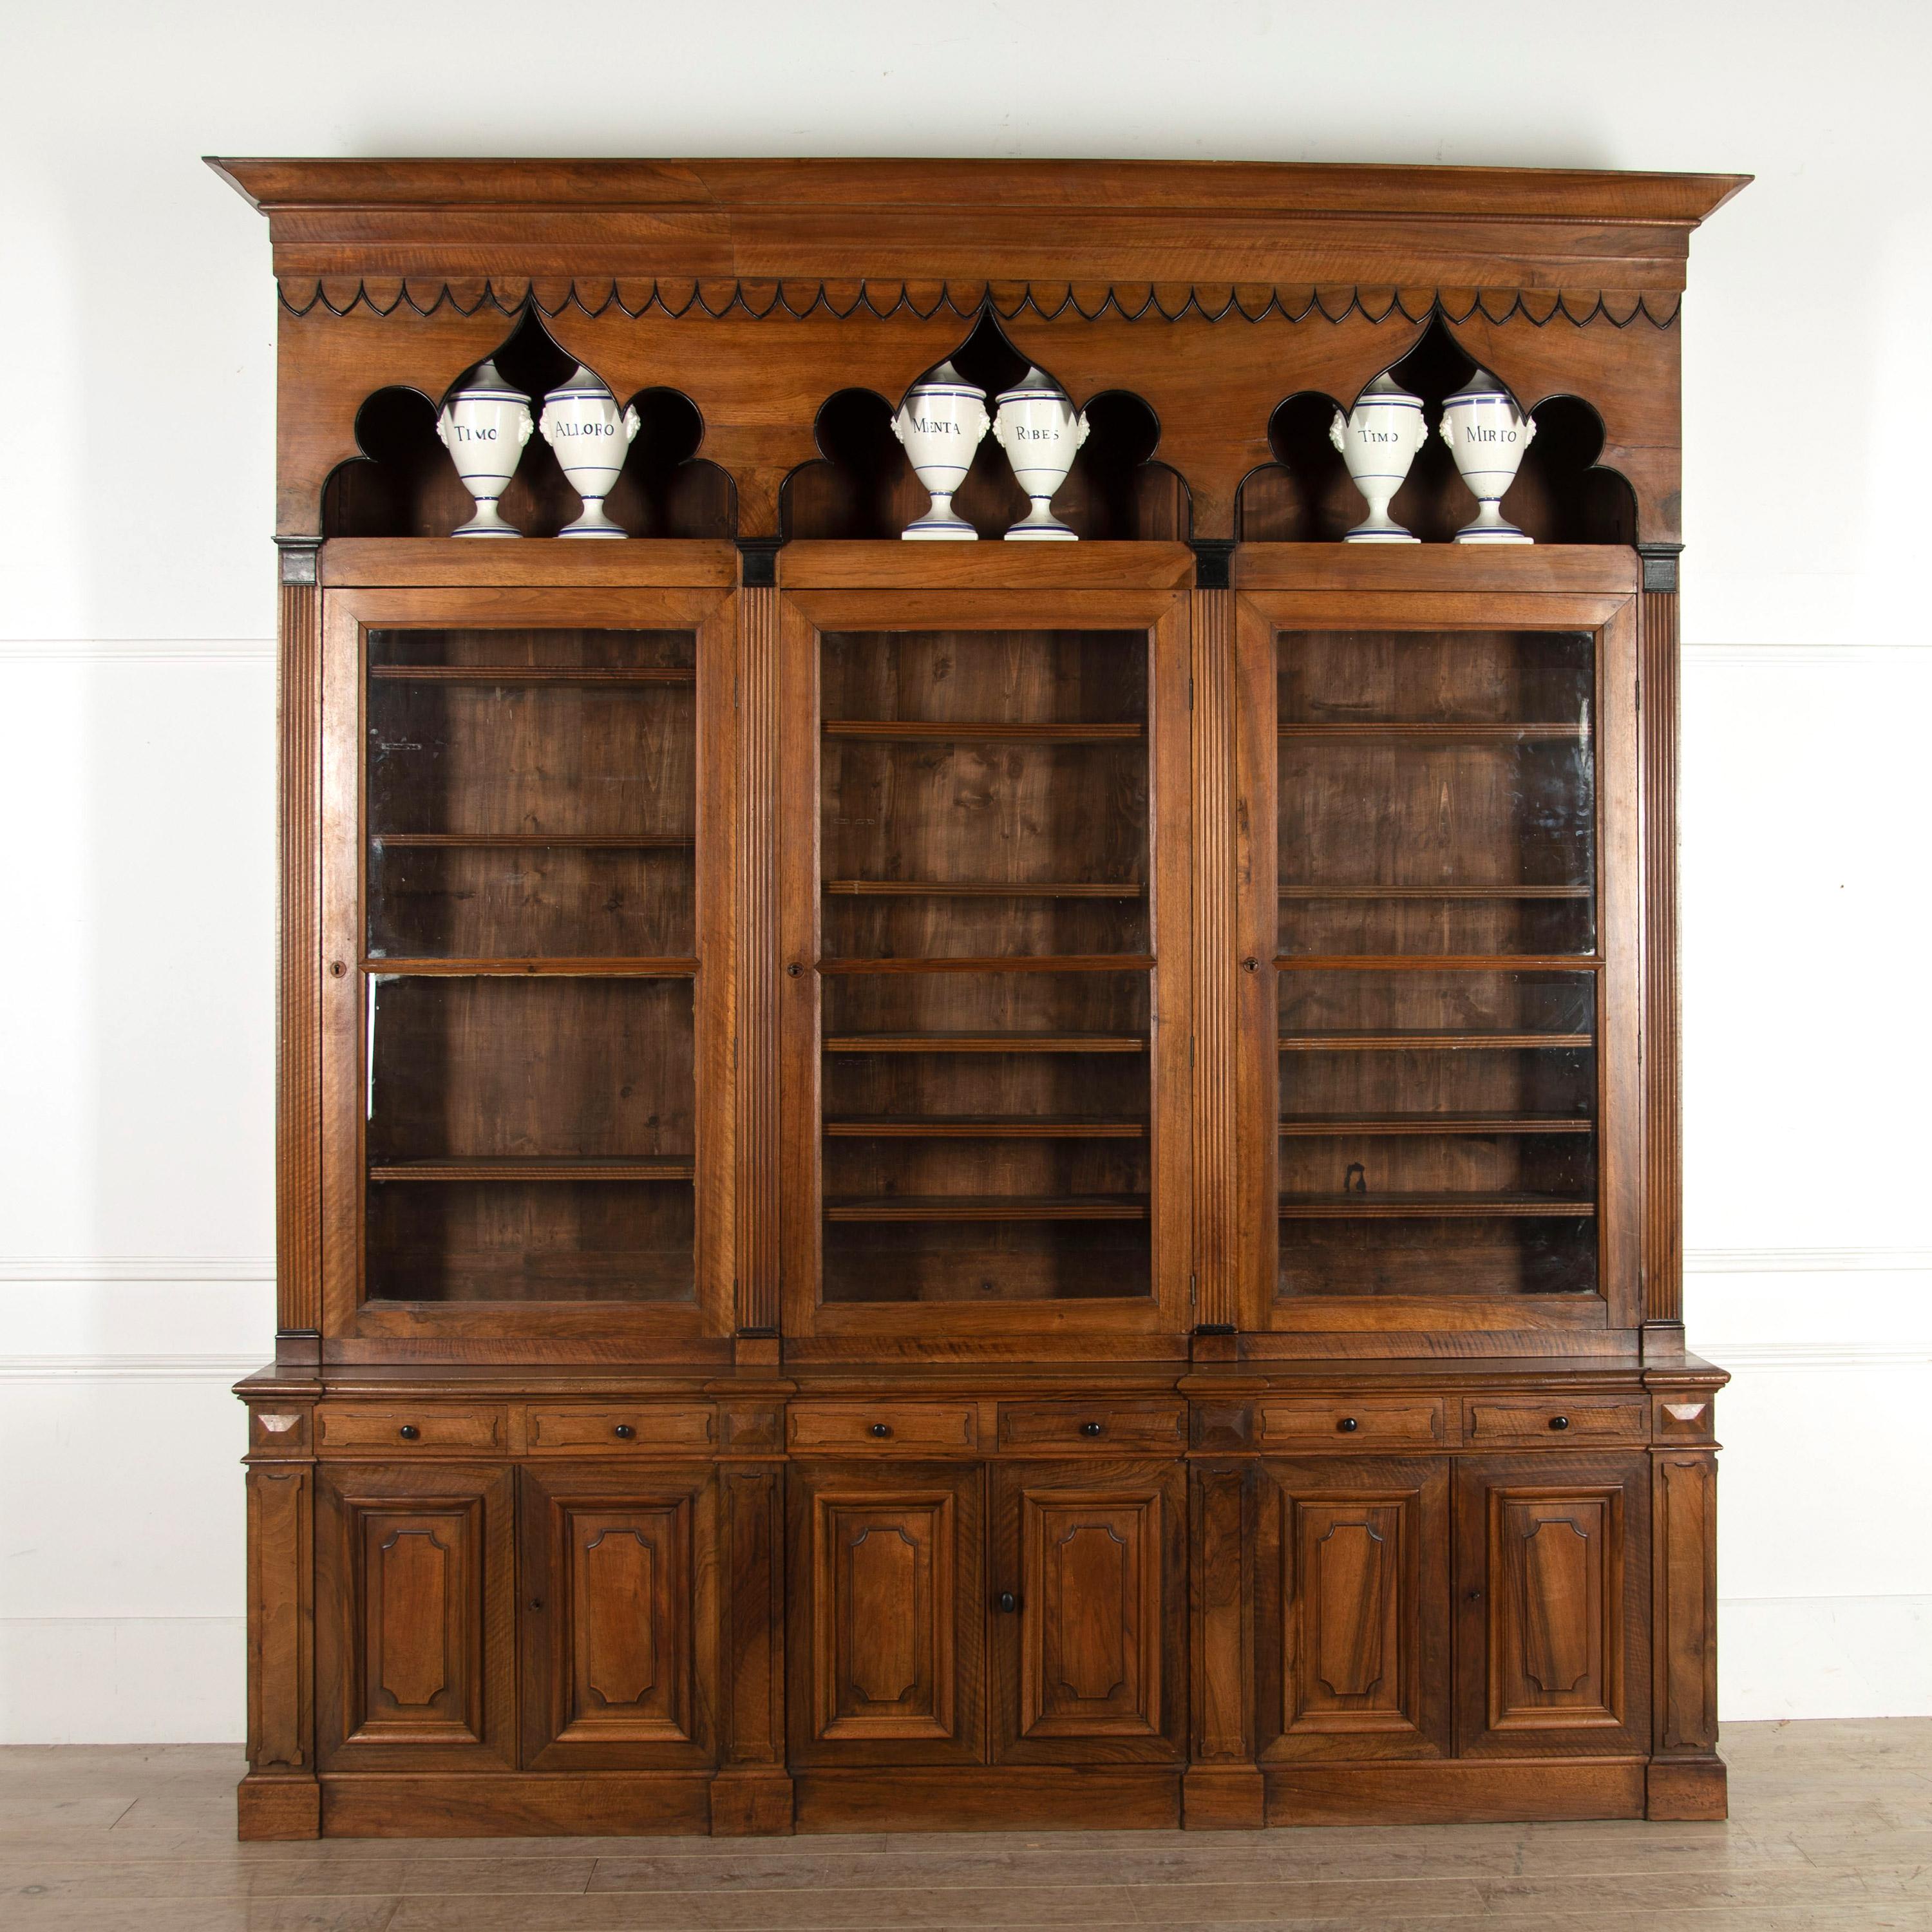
(136, 698)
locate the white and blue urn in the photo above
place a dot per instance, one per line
(1378, 438)
(942, 422)
(1487, 434)
(484, 425)
(591, 436)
(1036, 423)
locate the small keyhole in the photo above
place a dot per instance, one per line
(793, 970)
(337, 967)
(1475, 1596)
(536, 1603)
(1251, 965)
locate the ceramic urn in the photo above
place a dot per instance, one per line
(942, 422)
(591, 436)
(1378, 438)
(484, 425)
(1036, 423)
(1487, 434)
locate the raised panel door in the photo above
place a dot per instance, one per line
(1090, 1599)
(1352, 1609)
(1552, 1580)
(414, 1577)
(619, 1618)
(888, 1618)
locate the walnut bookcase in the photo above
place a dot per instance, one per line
(983, 1185)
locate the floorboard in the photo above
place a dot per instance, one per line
(1831, 1831)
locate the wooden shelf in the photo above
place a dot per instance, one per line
(1431, 1206)
(979, 889)
(586, 842)
(535, 1169)
(1437, 892)
(989, 1208)
(1504, 731)
(1438, 962)
(1329, 1125)
(986, 1042)
(1424, 1042)
(536, 969)
(528, 674)
(1043, 734)
(987, 1127)
(1035, 962)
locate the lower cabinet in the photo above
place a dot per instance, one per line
(415, 1635)
(1351, 1609)
(618, 1575)
(1552, 1588)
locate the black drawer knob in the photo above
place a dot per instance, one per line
(1008, 1602)
(1559, 1422)
(882, 1429)
(623, 1431)
(1092, 1428)
(1347, 1425)
(409, 1432)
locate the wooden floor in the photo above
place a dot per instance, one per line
(1831, 1826)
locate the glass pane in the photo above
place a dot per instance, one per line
(1437, 794)
(532, 794)
(984, 797)
(1438, 1132)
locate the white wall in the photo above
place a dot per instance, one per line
(136, 701)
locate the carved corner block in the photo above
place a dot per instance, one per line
(268, 1809)
(1699, 1790)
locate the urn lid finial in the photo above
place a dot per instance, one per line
(582, 382)
(1481, 387)
(1386, 389)
(486, 385)
(1036, 383)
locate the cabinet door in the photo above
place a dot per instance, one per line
(1352, 1609)
(414, 1577)
(1089, 1662)
(1552, 1584)
(888, 1617)
(619, 1618)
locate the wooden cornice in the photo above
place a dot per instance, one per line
(1156, 239)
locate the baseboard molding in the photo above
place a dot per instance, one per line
(1795, 657)
(223, 1369)
(160, 1269)
(1807, 1261)
(146, 650)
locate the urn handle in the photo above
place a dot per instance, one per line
(1338, 433)
(632, 423)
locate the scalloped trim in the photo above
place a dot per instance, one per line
(758, 301)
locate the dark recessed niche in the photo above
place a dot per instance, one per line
(404, 485)
(1559, 495)
(862, 486)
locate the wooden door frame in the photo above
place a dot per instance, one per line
(353, 1330)
(1604, 1323)
(1125, 1327)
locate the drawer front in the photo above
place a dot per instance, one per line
(1558, 1420)
(890, 1428)
(1107, 1428)
(351, 1429)
(616, 1426)
(1353, 1422)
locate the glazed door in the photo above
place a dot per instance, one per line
(1090, 1604)
(984, 925)
(1553, 1584)
(527, 922)
(1438, 915)
(887, 1614)
(619, 1585)
(1351, 1644)
(415, 1582)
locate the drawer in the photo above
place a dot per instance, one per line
(1558, 1420)
(346, 1428)
(890, 1428)
(616, 1425)
(1110, 1427)
(1353, 1422)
